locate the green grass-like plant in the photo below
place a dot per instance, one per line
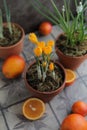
(76, 30)
(8, 16)
(1, 25)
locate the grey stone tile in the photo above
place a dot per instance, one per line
(2, 123)
(2, 83)
(17, 121)
(82, 70)
(62, 103)
(45, 38)
(60, 106)
(13, 93)
(56, 31)
(84, 78)
(77, 75)
(1, 75)
(77, 91)
(28, 48)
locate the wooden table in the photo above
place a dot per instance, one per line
(13, 93)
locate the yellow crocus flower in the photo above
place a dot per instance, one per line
(41, 44)
(47, 50)
(51, 66)
(50, 43)
(33, 38)
(38, 51)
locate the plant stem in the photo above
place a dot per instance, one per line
(1, 25)
(8, 17)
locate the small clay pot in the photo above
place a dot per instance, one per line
(45, 96)
(70, 62)
(15, 49)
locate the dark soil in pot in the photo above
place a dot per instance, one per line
(49, 84)
(10, 39)
(67, 49)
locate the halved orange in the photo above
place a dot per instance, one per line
(33, 108)
(70, 77)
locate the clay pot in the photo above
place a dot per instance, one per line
(45, 96)
(13, 49)
(70, 62)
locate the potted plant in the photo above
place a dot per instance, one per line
(71, 45)
(44, 77)
(11, 36)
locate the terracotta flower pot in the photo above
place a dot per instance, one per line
(45, 96)
(71, 62)
(13, 49)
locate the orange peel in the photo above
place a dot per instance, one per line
(70, 77)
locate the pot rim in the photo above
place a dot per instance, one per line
(22, 37)
(51, 92)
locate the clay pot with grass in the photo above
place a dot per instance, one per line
(71, 56)
(11, 36)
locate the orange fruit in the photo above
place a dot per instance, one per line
(13, 66)
(45, 28)
(33, 108)
(80, 107)
(74, 122)
(70, 77)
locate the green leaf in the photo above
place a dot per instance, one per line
(63, 19)
(8, 16)
(1, 25)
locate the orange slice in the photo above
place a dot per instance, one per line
(70, 77)
(33, 108)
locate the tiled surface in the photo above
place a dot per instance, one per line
(16, 120)
(81, 71)
(2, 122)
(13, 93)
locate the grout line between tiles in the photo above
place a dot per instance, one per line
(54, 114)
(5, 119)
(53, 36)
(4, 85)
(24, 55)
(81, 77)
(14, 103)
